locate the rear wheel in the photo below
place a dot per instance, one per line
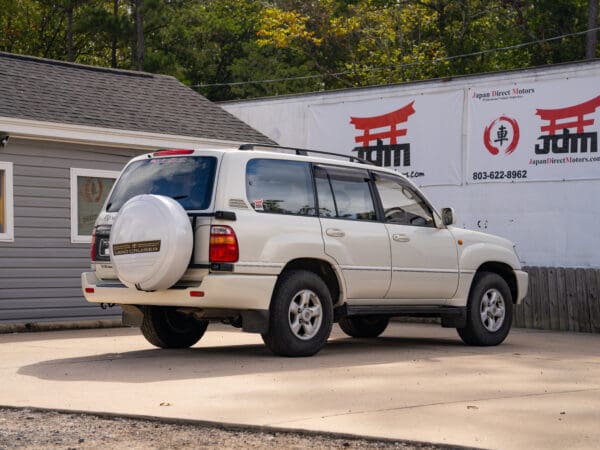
(165, 327)
(364, 326)
(489, 311)
(301, 315)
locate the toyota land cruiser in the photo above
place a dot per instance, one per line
(285, 244)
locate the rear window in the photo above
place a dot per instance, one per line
(280, 187)
(189, 180)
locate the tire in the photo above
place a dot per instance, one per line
(364, 326)
(301, 315)
(489, 311)
(164, 327)
(151, 242)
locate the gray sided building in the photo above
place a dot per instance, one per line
(71, 128)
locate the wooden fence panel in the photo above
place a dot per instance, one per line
(583, 308)
(562, 299)
(572, 304)
(553, 299)
(561, 293)
(593, 281)
(543, 300)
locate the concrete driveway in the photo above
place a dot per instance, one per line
(416, 382)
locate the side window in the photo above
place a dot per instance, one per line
(89, 189)
(280, 187)
(351, 197)
(401, 204)
(6, 202)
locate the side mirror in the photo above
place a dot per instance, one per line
(448, 216)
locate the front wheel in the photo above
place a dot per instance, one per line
(364, 326)
(301, 315)
(489, 311)
(166, 327)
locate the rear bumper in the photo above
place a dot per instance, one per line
(227, 291)
(522, 285)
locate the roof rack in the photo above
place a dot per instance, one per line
(305, 152)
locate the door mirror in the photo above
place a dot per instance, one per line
(448, 216)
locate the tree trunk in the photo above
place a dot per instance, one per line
(113, 50)
(70, 33)
(591, 40)
(139, 28)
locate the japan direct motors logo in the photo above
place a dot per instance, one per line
(572, 121)
(502, 131)
(384, 127)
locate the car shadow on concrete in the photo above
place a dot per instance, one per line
(55, 335)
(154, 365)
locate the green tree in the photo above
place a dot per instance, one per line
(315, 45)
(201, 42)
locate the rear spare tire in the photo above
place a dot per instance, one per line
(151, 242)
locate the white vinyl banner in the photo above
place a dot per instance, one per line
(534, 131)
(419, 136)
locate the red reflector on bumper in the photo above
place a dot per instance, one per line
(89, 290)
(196, 294)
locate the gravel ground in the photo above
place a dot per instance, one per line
(32, 429)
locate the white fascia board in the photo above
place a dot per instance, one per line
(81, 134)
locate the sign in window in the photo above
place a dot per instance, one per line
(89, 189)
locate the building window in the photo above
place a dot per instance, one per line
(6, 202)
(89, 189)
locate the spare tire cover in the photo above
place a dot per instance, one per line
(151, 242)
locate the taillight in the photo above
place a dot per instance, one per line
(223, 244)
(173, 152)
(93, 249)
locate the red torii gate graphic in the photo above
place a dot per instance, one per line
(571, 117)
(392, 120)
(577, 112)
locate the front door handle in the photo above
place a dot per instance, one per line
(335, 232)
(400, 238)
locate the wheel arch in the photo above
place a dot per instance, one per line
(321, 268)
(503, 270)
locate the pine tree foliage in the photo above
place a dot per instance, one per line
(231, 49)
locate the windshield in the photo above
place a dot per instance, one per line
(189, 180)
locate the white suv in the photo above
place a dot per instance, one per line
(287, 244)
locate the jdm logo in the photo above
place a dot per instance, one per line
(501, 135)
(389, 126)
(572, 121)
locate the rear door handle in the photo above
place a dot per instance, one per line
(335, 232)
(400, 238)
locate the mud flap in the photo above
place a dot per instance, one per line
(458, 318)
(132, 316)
(255, 321)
